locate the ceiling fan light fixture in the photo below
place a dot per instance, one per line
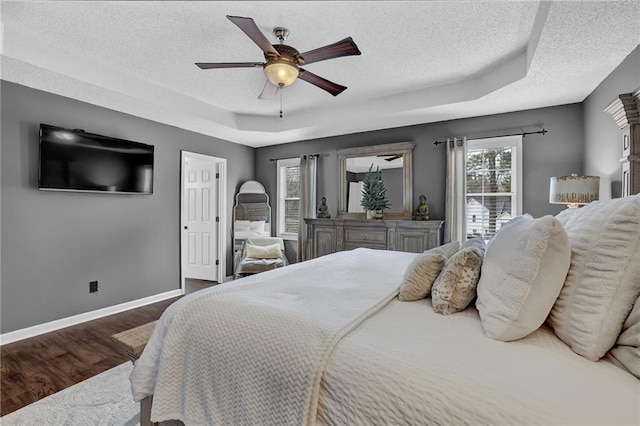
(281, 72)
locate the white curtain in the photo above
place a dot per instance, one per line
(455, 199)
(308, 196)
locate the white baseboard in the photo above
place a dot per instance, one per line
(36, 330)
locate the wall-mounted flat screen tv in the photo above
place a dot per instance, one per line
(74, 160)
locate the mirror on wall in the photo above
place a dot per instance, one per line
(394, 160)
(251, 215)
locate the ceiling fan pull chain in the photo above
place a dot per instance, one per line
(280, 89)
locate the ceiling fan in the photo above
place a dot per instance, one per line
(390, 157)
(282, 66)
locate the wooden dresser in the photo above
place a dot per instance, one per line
(332, 235)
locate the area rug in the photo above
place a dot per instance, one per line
(104, 400)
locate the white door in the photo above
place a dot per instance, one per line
(199, 215)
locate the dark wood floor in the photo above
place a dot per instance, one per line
(40, 366)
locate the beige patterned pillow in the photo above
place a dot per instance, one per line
(455, 287)
(423, 271)
(447, 249)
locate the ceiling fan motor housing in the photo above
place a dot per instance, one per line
(282, 70)
(286, 52)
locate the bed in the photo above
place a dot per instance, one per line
(335, 340)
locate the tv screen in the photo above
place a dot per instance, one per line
(73, 160)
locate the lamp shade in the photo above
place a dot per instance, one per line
(281, 72)
(574, 190)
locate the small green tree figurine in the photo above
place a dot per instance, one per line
(374, 194)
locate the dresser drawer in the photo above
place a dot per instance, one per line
(364, 235)
(351, 246)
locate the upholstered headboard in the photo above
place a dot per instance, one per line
(253, 211)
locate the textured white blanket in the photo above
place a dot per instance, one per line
(254, 351)
(408, 365)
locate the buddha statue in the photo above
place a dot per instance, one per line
(422, 210)
(323, 210)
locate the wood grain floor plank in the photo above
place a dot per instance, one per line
(34, 368)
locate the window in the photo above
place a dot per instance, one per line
(288, 198)
(493, 184)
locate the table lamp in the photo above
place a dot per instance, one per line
(574, 190)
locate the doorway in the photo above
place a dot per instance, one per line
(203, 200)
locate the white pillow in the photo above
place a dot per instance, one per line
(271, 251)
(423, 271)
(627, 348)
(603, 280)
(241, 225)
(524, 268)
(257, 225)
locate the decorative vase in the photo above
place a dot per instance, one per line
(374, 214)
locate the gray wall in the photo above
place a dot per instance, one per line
(54, 243)
(603, 147)
(558, 152)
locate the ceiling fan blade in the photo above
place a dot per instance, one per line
(249, 27)
(390, 157)
(309, 77)
(340, 48)
(212, 65)
(269, 91)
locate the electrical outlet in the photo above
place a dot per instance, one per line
(93, 287)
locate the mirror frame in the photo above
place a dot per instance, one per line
(404, 148)
(252, 187)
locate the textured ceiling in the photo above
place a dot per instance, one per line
(422, 61)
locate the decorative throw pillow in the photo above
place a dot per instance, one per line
(455, 287)
(474, 242)
(448, 249)
(423, 271)
(602, 283)
(241, 225)
(257, 225)
(627, 348)
(271, 251)
(524, 269)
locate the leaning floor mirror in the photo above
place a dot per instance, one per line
(251, 215)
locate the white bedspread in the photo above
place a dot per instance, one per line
(253, 352)
(408, 365)
(403, 365)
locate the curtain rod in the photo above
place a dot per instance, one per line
(523, 134)
(287, 158)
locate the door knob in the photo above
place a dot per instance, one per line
(186, 227)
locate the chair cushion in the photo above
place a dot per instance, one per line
(271, 251)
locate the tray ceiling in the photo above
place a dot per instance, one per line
(421, 61)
